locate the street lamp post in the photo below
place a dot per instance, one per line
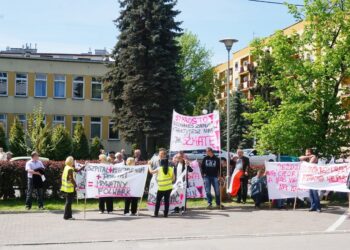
(228, 44)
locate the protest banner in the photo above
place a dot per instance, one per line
(330, 177)
(177, 196)
(195, 187)
(282, 180)
(103, 180)
(80, 180)
(195, 132)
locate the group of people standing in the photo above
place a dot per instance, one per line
(212, 167)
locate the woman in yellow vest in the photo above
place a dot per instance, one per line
(68, 187)
(165, 179)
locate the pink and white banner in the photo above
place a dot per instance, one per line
(195, 186)
(330, 177)
(195, 132)
(282, 180)
(104, 180)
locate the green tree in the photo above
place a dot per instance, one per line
(310, 70)
(62, 143)
(144, 80)
(17, 142)
(80, 143)
(96, 146)
(39, 134)
(3, 143)
(197, 72)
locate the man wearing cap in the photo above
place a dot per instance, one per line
(34, 167)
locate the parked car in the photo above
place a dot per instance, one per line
(27, 158)
(256, 159)
(200, 154)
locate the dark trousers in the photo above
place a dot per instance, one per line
(160, 195)
(39, 192)
(243, 190)
(68, 206)
(109, 204)
(133, 201)
(315, 200)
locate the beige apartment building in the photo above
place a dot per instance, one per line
(241, 69)
(68, 87)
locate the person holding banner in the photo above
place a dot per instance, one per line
(165, 179)
(211, 171)
(130, 200)
(314, 197)
(181, 166)
(108, 201)
(239, 178)
(68, 186)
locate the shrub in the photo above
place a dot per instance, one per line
(2, 138)
(17, 139)
(61, 143)
(95, 148)
(80, 143)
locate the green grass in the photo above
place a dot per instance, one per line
(18, 205)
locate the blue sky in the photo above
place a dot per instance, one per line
(74, 26)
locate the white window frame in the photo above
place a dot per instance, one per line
(26, 95)
(23, 122)
(78, 98)
(111, 122)
(65, 86)
(4, 122)
(93, 122)
(7, 82)
(36, 76)
(94, 81)
(75, 122)
(60, 122)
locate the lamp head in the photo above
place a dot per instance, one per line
(228, 43)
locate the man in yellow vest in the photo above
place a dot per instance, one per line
(68, 187)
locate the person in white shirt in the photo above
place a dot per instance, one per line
(34, 167)
(2, 155)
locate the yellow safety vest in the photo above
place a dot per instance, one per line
(165, 181)
(67, 186)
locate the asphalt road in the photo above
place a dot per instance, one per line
(238, 228)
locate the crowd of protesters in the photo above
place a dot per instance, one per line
(213, 169)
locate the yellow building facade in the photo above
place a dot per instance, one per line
(67, 87)
(241, 68)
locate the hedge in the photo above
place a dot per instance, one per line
(13, 176)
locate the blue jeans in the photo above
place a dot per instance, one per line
(212, 181)
(315, 200)
(39, 193)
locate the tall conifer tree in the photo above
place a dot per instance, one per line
(144, 82)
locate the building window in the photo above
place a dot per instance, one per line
(21, 84)
(75, 121)
(95, 127)
(96, 89)
(40, 85)
(236, 66)
(3, 84)
(60, 86)
(236, 83)
(58, 120)
(113, 134)
(3, 122)
(78, 87)
(23, 120)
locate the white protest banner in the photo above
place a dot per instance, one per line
(80, 180)
(177, 196)
(282, 180)
(330, 177)
(195, 132)
(195, 187)
(103, 180)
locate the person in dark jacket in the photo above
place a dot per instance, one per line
(180, 166)
(259, 188)
(211, 172)
(241, 163)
